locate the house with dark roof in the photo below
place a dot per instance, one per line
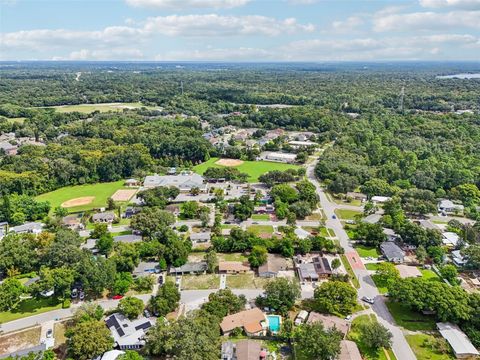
(128, 334)
(129, 238)
(318, 269)
(392, 252)
(189, 268)
(146, 268)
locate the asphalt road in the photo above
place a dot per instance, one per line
(367, 288)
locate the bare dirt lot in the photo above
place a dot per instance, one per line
(78, 201)
(229, 162)
(19, 340)
(123, 195)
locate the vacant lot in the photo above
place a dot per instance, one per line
(346, 214)
(261, 229)
(100, 193)
(409, 319)
(200, 282)
(29, 307)
(423, 345)
(19, 340)
(261, 217)
(246, 281)
(253, 168)
(89, 108)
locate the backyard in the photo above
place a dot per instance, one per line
(409, 319)
(261, 229)
(254, 169)
(428, 347)
(95, 195)
(261, 217)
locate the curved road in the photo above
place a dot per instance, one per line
(367, 288)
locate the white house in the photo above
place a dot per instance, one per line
(185, 181)
(449, 207)
(380, 199)
(279, 157)
(450, 239)
(460, 343)
(128, 334)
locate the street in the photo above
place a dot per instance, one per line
(367, 288)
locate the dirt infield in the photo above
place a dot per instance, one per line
(123, 195)
(229, 162)
(78, 201)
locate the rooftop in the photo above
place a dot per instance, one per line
(457, 339)
(128, 332)
(329, 321)
(186, 180)
(248, 350)
(274, 264)
(232, 266)
(408, 271)
(249, 319)
(190, 267)
(391, 250)
(128, 238)
(349, 351)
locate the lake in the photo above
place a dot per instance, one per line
(460, 76)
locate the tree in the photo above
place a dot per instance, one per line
(144, 283)
(335, 297)
(165, 301)
(312, 341)
(126, 257)
(224, 302)
(244, 208)
(387, 273)
(10, 291)
(421, 254)
(258, 256)
(291, 218)
(472, 253)
(131, 307)
(194, 191)
(105, 244)
(369, 208)
(212, 261)
(122, 283)
(370, 234)
(60, 212)
(194, 337)
(280, 294)
(449, 272)
(285, 193)
(99, 230)
(88, 339)
(190, 209)
(336, 263)
(131, 355)
(375, 335)
(88, 312)
(152, 220)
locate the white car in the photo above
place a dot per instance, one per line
(368, 300)
(348, 318)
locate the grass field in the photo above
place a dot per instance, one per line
(429, 275)
(346, 214)
(365, 251)
(89, 108)
(246, 281)
(420, 344)
(29, 307)
(261, 217)
(253, 168)
(372, 266)
(101, 191)
(367, 352)
(200, 282)
(260, 229)
(410, 320)
(382, 288)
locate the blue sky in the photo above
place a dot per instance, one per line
(240, 30)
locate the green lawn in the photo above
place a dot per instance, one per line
(430, 275)
(253, 168)
(261, 217)
(372, 266)
(260, 229)
(89, 108)
(101, 191)
(382, 288)
(367, 352)
(422, 346)
(200, 282)
(350, 272)
(29, 307)
(346, 214)
(366, 251)
(409, 319)
(246, 281)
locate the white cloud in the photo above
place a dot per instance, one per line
(187, 4)
(106, 54)
(459, 4)
(212, 54)
(217, 25)
(350, 24)
(427, 21)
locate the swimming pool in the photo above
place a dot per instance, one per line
(274, 323)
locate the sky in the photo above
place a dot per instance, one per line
(240, 30)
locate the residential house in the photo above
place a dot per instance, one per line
(128, 334)
(130, 211)
(318, 269)
(90, 245)
(299, 144)
(38, 349)
(329, 322)
(111, 355)
(279, 157)
(460, 343)
(185, 181)
(457, 258)
(103, 217)
(252, 321)
(8, 148)
(392, 252)
(173, 209)
(427, 224)
(200, 237)
(189, 268)
(275, 263)
(132, 183)
(264, 209)
(391, 234)
(450, 239)
(73, 222)
(380, 199)
(357, 196)
(301, 317)
(128, 239)
(302, 234)
(250, 350)
(449, 207)
(27, 228)
(372, 218)
(349, 351)
(146, 268)
(232, 267)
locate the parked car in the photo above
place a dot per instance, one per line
(146, 313)
(334, 216)
(74, 293)
(160, 279)
(368, 300)
(117, 297)
(348, 317)
(351, 222)
(81, 295)
(49, 333)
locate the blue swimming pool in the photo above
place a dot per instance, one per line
(273, 323)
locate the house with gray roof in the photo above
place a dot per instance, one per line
(189, 268)
(128, 334)
(146, 268)
(449, 207)
(129, 238)
(103, 217)
(8, 148)
(185, 181)
(200, 237)
(274, 264)
(460, 343)
(29, 228)
(392, 252)
(38, 349)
